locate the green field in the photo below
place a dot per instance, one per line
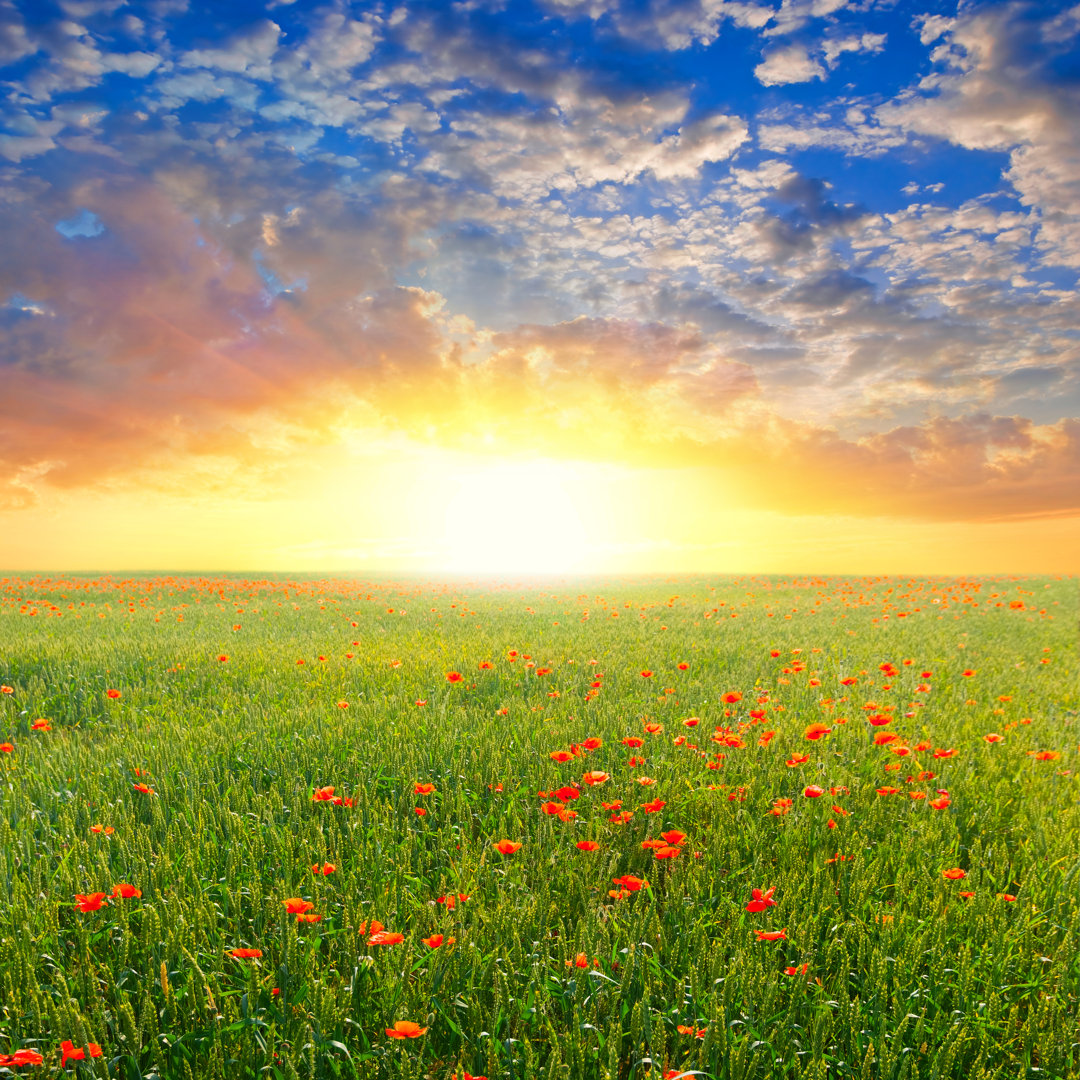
(240, 701)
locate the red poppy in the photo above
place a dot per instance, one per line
(731, 697)
(296, 906)
(485, 665)
(568, 794)
(327, 869)
(646, 674)
(91, 902)
(621, 818)
(593, 743)
(323, 794)
(673, 836)
(595, 777)
(994, 737)
(507, 847)
(968, 673)
(72, 1052)
(7, 748)
(653, 807)
(682, 667)
(20, 1058)
(434, 941)
(954, 874)
(944, 753)
(772, 935)
(633, 742)
(246, 954)
(223, 658)
(587, 845)
(797, 970)
(405, 1029)
(114, 694)
(667, 852)
(108, 830)
(796, 759)
(454, 676)
(816, 731)
(561, 755)
(760, 900)
(41, 725)
(1007, 896)
(126, 892)
(812, 791)
(423, 789)
(630, 882)
(385, 937)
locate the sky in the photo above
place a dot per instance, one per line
(547, 286)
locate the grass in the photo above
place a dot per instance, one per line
(886, 971)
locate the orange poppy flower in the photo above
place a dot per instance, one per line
(434, 941)
(327, 869)
(108, 830)
(812, 791)
(41, 725)
(653, 807)
(423, 789)
(7, 748)
(673, 836)
(772, 935)
(955, 874)
(507, 847)
(405, 1029)
(20, 1058)
(70, 1052)
(126, 892)
(682, 667)
(796, 759)
(114, 694)
(667, 852)
(587, 845)
(454, 676)
(593, 743)
(91, 902)
(561, 755)
(385, 937)
(246, 954)
(994, 737)
(731, 697)
(816, 731)
(633, 742)
(621, 818)
(595, 777)
(296, 906)
(630, 882)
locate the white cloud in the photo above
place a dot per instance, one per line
(246, 53)
(788, 64)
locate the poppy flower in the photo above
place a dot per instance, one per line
(7, 748)
(1046, 755)
(883, 738)
(888, 791)
(327, 869)
(423, 789)
(654, 844)
(797, 970)
(126, 892)
(323, 794)
(485, 665)
(994, 737)
(691, 721)
(630, 882)
(223, 658)
(816, 731)
(419, 811)
(246, 954)
(20, 1058)
(653, 807)
(646, 674)
(772, 935)
(114, 694)
(1007, 897)
(91, 902)
(434, 941)
(454, 676)
(507, 847)
(646, 781)
(731, 697)
(968, 673)
(296, 906)
(654, 728)
(593, 743)
(812, 791)
(595, 777)
(41, 725)
(682, 667)
(587, 845)
(667, 852)
(761, 899)
(70, 1051)
(673, 836)
(405, 1029)
(955, 874)
(633, 742)
(796, 759)
(880, 719)
(561, 755)
(385, 937)
(108, 830)
(966, 895)
(568, 794)
(944, 753)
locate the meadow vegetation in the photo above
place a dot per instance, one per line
(744, 828)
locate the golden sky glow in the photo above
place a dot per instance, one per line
(303, 291)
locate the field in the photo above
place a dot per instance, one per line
(740, 828)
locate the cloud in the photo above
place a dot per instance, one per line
(788, 64)
(998, 87)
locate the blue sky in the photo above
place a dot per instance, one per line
(853, 225)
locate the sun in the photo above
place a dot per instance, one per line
(515, 517)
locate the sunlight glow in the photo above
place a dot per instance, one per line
(515, 517)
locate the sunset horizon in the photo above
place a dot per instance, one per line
(557, 286)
